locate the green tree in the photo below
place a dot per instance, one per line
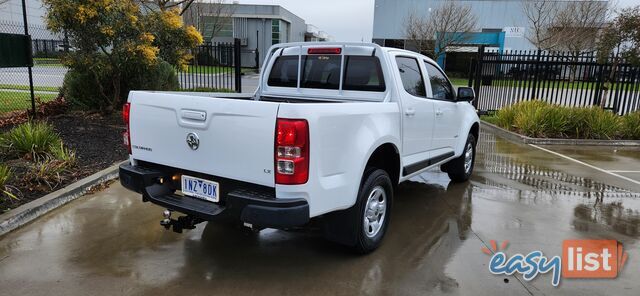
(621, 36)
(116, 40)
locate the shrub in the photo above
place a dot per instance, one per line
(161, 76)
(119, 47)
(46, 174)
(577, 126)
(505, 117)
(556, 120)
(5, 174)
(83, 87)
(5, 189)
(31, 140)
(64, 154)
(603, 124)
(530, 118)
(541, 119)
(631, 126)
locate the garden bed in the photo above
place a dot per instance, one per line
(95, 141)
(537, 119)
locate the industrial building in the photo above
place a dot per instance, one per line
(501, 24)
(257, 26)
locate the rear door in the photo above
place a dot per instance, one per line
(417, 112)
(235, 137)
(447, 122)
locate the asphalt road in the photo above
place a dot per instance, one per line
(110, 243)
(53, 76)
(42, 76)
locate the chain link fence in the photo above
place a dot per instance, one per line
(47, 71)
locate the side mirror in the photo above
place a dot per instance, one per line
(466, 94)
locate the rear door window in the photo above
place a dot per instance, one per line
(411, 76)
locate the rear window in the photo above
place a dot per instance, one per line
(321, 71)
(284, 72)
(362, 73)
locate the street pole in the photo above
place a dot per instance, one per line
(30, 53)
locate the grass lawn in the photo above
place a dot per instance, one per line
(26, 87)
(459, 81)
(525, 83)
(209, 89)
(47, 62)
(12, 100)
(560, 84)
(213, 69)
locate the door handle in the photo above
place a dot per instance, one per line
(410, 112)
(438, 112)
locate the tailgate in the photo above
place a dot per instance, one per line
(236, 137)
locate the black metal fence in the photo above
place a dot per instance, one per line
(47, 71)
(565, 78)
(215, 67)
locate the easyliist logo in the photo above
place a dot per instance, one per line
(580, 259)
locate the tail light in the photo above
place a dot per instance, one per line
(292, 151)
(126, 136)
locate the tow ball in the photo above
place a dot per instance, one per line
(183, 222)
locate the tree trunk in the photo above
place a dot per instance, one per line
(608, 83)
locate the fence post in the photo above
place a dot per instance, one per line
(257, 50)
(472, 70)
(237, 60)
(597, 96)
(534, 93)
(26, 32)
(478, 78)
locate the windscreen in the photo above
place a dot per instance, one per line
(362, 73)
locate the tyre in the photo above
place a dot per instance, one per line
(363, 226)
(461, 168)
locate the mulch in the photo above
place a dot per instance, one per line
(96, 140)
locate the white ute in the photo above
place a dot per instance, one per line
(332, 129)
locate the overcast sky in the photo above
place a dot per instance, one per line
(345, 20)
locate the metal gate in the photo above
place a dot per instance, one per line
(565, 78)
(215, 67)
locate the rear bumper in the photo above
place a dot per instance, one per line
(250, 206)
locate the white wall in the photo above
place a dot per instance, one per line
(11, 18)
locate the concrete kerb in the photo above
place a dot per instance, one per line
(28, 212)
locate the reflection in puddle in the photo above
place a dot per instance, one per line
(513, 162)
(622, 220)
(599, 203)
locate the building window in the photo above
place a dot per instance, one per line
(491, 30)
(226, 28)
(275, 32)
(223, 28)
(395, 43)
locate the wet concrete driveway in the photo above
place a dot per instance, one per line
(110, 243)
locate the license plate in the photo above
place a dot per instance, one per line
(200, 188)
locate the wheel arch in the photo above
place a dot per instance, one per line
(386, 157)
(475, 130)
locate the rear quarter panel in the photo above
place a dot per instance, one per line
(342, 137)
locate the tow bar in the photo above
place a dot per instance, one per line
(183, 222)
